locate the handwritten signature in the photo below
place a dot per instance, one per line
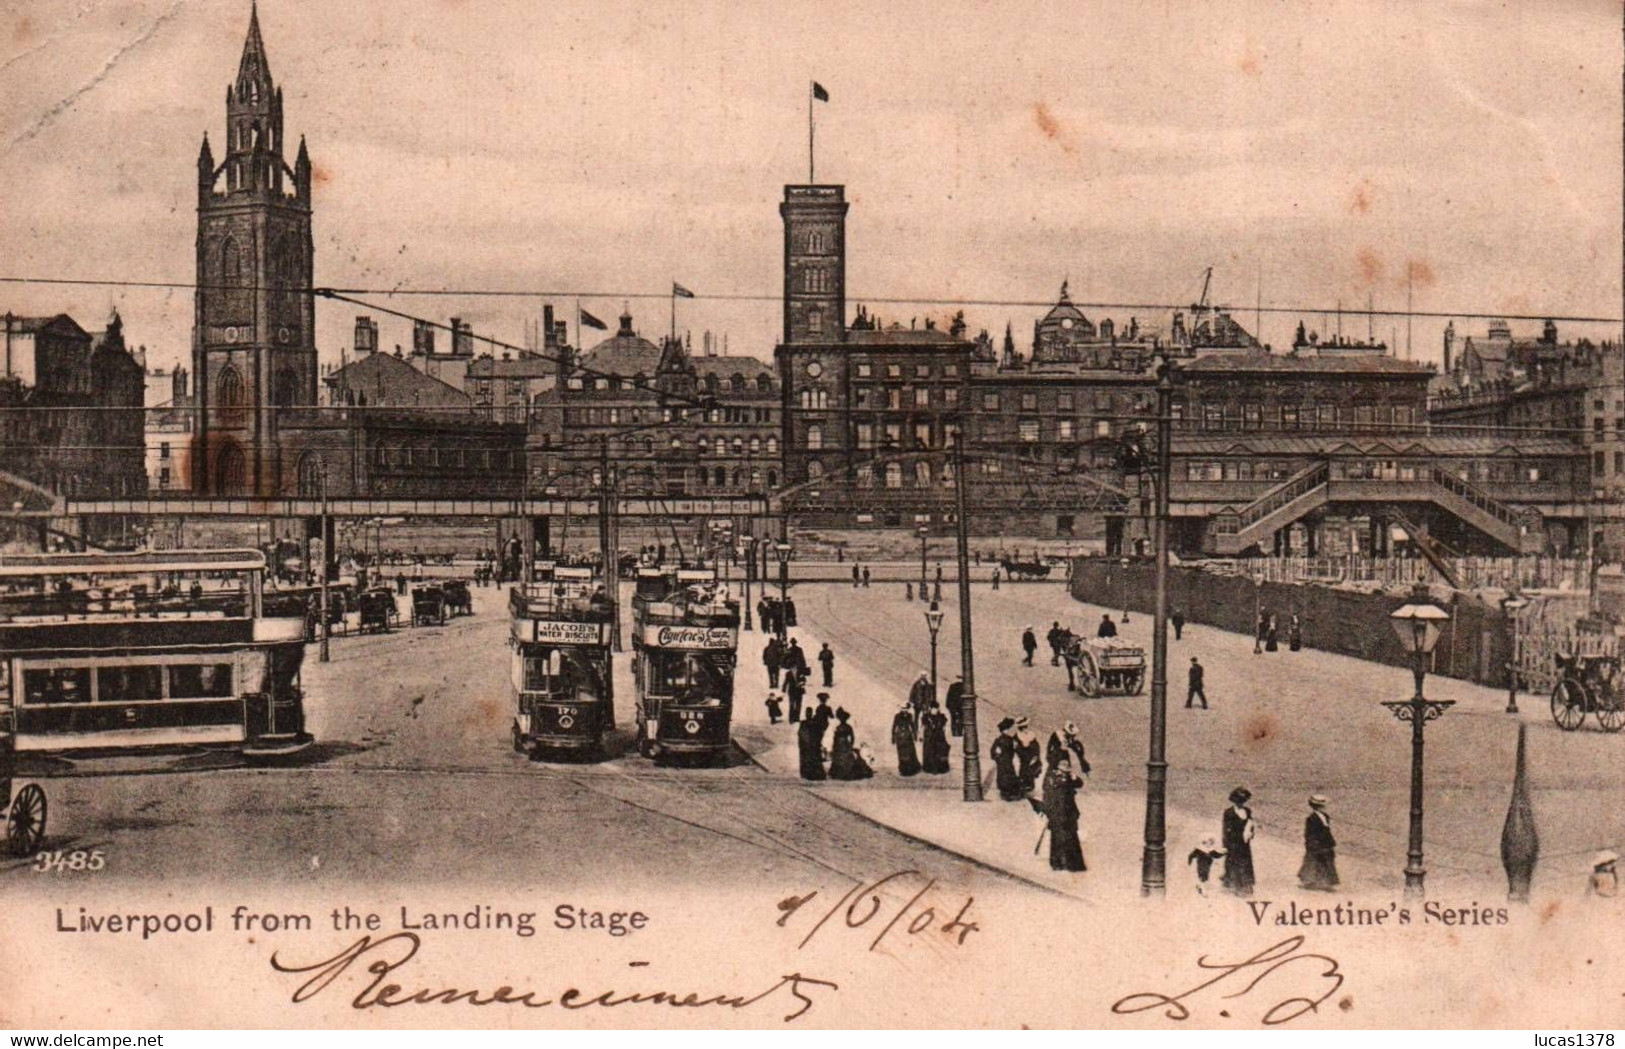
(1269, 960)
(866, 901)
(384, 956)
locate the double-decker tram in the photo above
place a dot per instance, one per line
(105, 651)
(562, 683)
(685, 636)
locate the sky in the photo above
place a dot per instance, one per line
(1312, 153)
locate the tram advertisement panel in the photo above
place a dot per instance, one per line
(691, 637)
(560, 632)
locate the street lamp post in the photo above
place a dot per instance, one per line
(967, 656)
(923, 533)
(326, 554)
(1510, 606)
(933, 623)
(1154, 859)
(750, 570)
(1125, 589)
(1417, 625)
(782, 549)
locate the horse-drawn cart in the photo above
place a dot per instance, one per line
(428, 606)
(1029, 570)
(1105, 666)
(25, 810)
(1590, 680)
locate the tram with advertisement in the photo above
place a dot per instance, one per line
(685, 640)
(563, 686)
(158, 649)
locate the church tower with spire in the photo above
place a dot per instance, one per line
(253, 337)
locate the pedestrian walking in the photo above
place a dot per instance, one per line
(809, 743)
(995, 579)
(934, 740)
(1106, 628)
(1178, 620)
(866, 577)
(795, 657)
(939, 573)
(908, 591)
(795, 689)
(822, 714)
(1203, 856)
(775, 708)
(844, 761)
(1294, 633)
(956, 709)
(773, 660)
(1271, 637)
(857, 576)
(1319, 868)
(919, 695)
(761, 615)
(826, 661)
(1196, 691)
(1054, 638)
(1029, 645)
(1238, 831)
(936, 591)
(789, 613)
(1029, 756)
(1061, 815)
(1263, 627)
(902, 734)
(1074, 746)
(1004, 757)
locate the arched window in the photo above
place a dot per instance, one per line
(772, 478)
(755, 478)
(737, 383)
(755, 446)
(894, 475)
(739, 446)
(711, 383)
(677, 444)
(815, 321)
(310, 475)
(721, 475)
(764, 383)
(815, 437)
(648, 446)
(230, 469)
(772, 446)
(286, 391)
(739, 477)
(922, 474)
(705, 445)
(231, 262)
(228, 389)
(815, 470)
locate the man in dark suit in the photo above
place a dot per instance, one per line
(1196, 690)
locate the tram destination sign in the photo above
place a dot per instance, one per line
(698, 637)
(558, 632)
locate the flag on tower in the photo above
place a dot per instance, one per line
(593, 322)
(681, 292)
(819, 92)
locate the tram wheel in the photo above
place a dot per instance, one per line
(25, 827)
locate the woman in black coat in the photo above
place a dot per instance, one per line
(934, 747)
(810, 742)
(844, 763)
(1319, 869)
(902, 734)
(1061, 814)
(1239, 829)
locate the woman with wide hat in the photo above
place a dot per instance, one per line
(844, 762)
(1319, 868)
(902, 734)
(1237, 837)
(934, 739)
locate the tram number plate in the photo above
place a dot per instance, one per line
(568, 717)
(693, 721)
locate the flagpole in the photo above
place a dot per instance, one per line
(674, 309)
(578, 325)
(811, 177)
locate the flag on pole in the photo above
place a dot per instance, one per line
(819, 92)
(592, 322)
(680, 292)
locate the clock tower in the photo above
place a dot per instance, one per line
(253, 339)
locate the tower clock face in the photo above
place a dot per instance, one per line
(1067, 323)
(814, 369)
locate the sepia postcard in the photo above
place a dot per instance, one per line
(747, 515)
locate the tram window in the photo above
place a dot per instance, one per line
(540, 672)
(129, 684)
(200, 681)
(57, 685)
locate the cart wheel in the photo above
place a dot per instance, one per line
(1088, 684)
(25, 828)
(1611, 712)
(1568, 704)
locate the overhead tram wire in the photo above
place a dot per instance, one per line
(892, 300)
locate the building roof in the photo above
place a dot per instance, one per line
(724, 367)
(525, 366)
(1063, 310)
(388, 381)
(624, 353)
(56, 322)
(1282, 362)
(897, 335)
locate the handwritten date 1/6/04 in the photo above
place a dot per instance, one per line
(874, 905)
(77, 860)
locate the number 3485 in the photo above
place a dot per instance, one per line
(77, 860)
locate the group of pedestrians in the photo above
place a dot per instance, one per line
(1267, 636)
(1238, 828)
(775, 615)
(860, 576)
(1018, 764)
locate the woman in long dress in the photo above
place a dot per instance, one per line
(844, 762)
(1061, 814)
(1294, 633)
(902, 734)
(1239, 829)
(810, 741)
(1319, 868)
(934, 745)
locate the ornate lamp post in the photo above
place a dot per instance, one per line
(1154, 858)
(933, 623)
(1510, 606)
(1417, 624)
(923, 532)
(782, 550)
(1125, 589)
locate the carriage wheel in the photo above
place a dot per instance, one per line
(1088, 683)
(1569, 704)
(1136, 682)
(25, 828)
(1611, 711)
